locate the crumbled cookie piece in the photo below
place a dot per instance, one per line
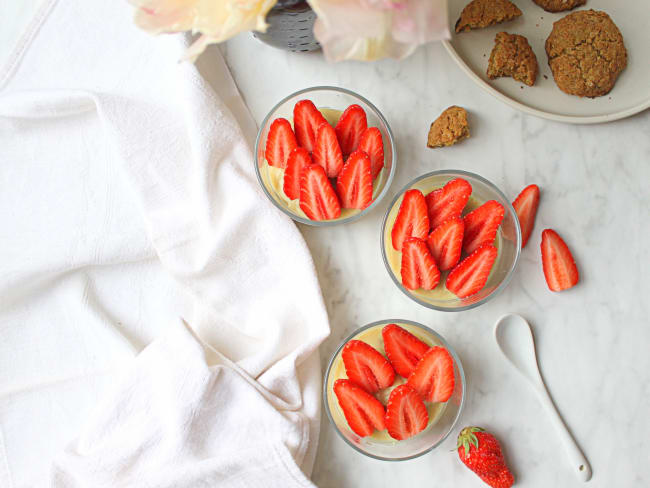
(449, 128)
(586, 53)
(559, 5)
(512, 56)
(482, 13)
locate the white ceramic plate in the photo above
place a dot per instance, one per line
(630, 95)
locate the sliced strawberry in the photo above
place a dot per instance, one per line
(327, 151)
(447, 202)
(419, 269)
(560, 268)
(481, 225)
(317, 196)
(279, 143)
(403, 349)
(298, 160)
(446, 243)
(372, 144)
(354, 183)
(366, 367)
(433, 377)
(406, 414)
(350, 127)
(526, 207)
(306, 121)
(412, 219)
(363, 411)
(471, 274)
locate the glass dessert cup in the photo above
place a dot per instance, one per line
(381, 445)
(332, 101)
(508, 243)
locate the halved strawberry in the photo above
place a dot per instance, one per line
(446, 243)
(481, 225)
(419, 269)
(279, 143)
(298, 160)
(412, 219)
(406, 414)
(433, 377)
(366, 367)
(560, 268)
(403, 349)
(471, 274)
(372, 144)
(363, 411)
(354, 183)
(350, 127)
(306, 121)
(327, 151)
(447, 202)
(526, 207)
(317, 197)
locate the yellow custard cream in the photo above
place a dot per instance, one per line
(273, 178)
(439, 294)
(372, 336)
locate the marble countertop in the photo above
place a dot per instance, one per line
(593, 341)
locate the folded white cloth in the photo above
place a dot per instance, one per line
(128, 201)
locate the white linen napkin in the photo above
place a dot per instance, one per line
(128, 201)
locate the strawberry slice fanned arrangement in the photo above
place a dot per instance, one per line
(412, 374)
(433, 236)
(350, 154)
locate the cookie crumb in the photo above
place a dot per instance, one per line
(559, 5)
(483, 13)
(449, 128)
(512, 56)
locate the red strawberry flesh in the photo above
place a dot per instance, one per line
(433, 377)
(446, 243)
(419, 269)
(471, 274)
(366, 367)
(306, 121)
(354, 183)
(525, 206)
(447, 202)
(350, 128)
(372, 144)
(406, 414)
(363, 412)
(560, 268)
(279, 143)
(298, 160)
(412, 219)
(327, 151)
(481, 225)
(403, 349)
(317, 196)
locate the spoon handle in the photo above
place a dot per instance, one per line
(579, 462)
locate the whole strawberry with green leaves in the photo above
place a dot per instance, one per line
(481, 453)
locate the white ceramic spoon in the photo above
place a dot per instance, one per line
(515, 340)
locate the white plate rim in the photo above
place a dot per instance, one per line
(570, 119)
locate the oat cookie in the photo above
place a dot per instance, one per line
(586, 53)
(449, 128)
(512, 56)
(482, 13)
(559, 5)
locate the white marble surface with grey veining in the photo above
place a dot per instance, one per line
(593, 341)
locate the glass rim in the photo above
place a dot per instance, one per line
(504, 283)
(382, 193)
(447, 346)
